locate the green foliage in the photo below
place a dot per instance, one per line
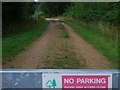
(52, 9)
(17, 11)
(15, 43)
(108, 12)
(107, 46)
(41, 14)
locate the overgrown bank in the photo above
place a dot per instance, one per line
(91, 33)
(12, 44)
(98, 23)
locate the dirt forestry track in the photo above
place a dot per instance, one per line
(52, 50)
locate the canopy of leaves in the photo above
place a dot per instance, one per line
(53, 8)
(17, 11)
(108, 12)
(15, 15)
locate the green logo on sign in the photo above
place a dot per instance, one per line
(51, 83)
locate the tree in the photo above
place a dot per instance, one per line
(14, 14)
(54, 8)
(49, 84)
(108, 12)
(17, 11)
(54, 83)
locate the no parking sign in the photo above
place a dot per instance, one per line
(77, 81)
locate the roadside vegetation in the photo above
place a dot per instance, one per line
(20, 30)
(107, 46)
(15, 43)
(98, 24)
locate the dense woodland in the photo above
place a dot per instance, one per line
(88, 12)
(18, 12)
(105, 15)
(109, 12)
(15, 15)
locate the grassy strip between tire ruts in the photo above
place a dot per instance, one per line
(15, 43)
(102, 43)
(64, 31)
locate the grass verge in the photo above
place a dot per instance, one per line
(102, 43)
(15, 43)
